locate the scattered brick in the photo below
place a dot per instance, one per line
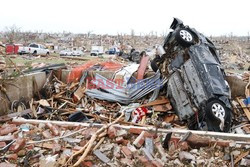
(54, 129)
(139, 140)
(18, 145)
(126, 151)
(119, 140)
(83, 143)
(135, 131)
(29, 147)
(196, 141)
(56, 148)
(148, 135)
(11, 157)
(89, 132)
(144, 161)
(87, 164)
(46, 134)
(8, 129)
(2, 144)
(125, 142)
(112, 132)
(157, 163)
(183, 145)
(221, 143)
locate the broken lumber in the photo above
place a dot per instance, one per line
(90, 143)
(219, 135)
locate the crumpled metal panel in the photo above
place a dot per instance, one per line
(178, 97)
(193, 83)
(111, 91)
(127, 72)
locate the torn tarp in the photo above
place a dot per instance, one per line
(111, 91)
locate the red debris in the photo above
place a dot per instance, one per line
(18, 145)
(135, 131)
(8, 129)
(2, 144)
(112, 132)
(46, 134)
(87, 164)
(127, 153)
(139, 140)
(183, 145)
(11, 156)
(143, 66)
(54, 129)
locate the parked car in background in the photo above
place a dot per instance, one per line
(77, 53)
(71, 53)
(33, 48)
(197, 87)
(96, 50)
(66, 53)
(113, 50)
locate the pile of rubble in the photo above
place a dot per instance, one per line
(57, 143)
(92, 132)
(174, 111)
(233, 54)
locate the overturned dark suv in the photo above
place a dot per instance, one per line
(196, 87)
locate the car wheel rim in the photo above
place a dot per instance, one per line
(218, 110)
(185, 35)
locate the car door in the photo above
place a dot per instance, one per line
(42, 50)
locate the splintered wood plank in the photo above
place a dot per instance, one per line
(244, 107)
(159, 101)
(242, 155)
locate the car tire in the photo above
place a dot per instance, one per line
(154, 65)
(34, 53)
(215, 111)
(184, 37)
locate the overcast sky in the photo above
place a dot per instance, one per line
(212, 17)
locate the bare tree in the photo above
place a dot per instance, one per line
(12, 34)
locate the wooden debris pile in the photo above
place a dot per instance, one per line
(56, 143)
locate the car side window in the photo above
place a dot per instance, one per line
(34, 46)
